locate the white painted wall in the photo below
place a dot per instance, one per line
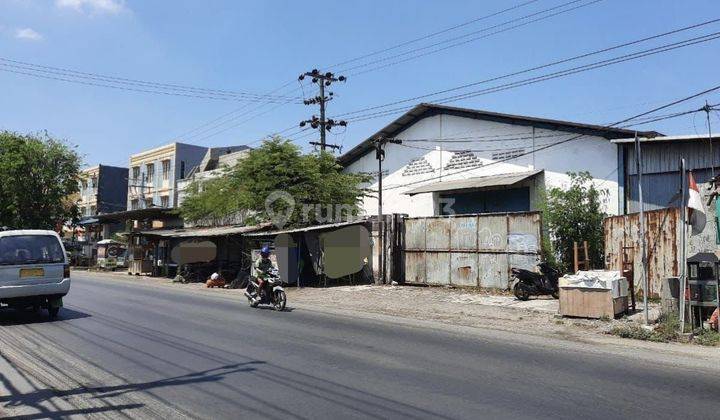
(593, 154)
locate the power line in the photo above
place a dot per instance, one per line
(466, 41)
(188, 95)
(63, 74)
(431, 35)
(219, 124)
(554, 75)
(540, 67)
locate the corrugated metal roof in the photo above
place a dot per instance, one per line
(204, 232)
(659, 139)
(139, 214)
(423, 110)
(309, 228)
(503, 180)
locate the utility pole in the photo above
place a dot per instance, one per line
(707, 108)
(380, 156)
(638, 170)
(323, 81)
(683, 246)
(714, 184)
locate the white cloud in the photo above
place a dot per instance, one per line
(28, 34)
(93, 6)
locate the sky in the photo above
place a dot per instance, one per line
(256, 47)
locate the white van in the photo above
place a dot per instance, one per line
(34, 271)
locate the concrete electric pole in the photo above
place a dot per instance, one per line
(323, 81)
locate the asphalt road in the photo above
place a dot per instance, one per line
(212, 357)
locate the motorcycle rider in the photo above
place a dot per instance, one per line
(263, 267)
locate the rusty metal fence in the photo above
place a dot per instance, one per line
(470, 250)
(662, 235)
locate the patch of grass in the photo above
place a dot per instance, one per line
(635, 331)
(664, 331)
(707, 338)
(668, 327)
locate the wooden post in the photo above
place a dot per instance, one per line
(575, 257)
(577, 263)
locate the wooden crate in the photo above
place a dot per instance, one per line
(591, 303)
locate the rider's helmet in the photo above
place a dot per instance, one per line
(214, 276)
(265, 251)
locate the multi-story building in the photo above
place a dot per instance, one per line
(217, 160)
(154, 174)
(103, 189)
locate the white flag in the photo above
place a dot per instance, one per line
(696, 210)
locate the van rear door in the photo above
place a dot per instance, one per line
(27, 259)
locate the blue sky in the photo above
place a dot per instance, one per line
(262, 45)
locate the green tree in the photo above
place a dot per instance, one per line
(314, 180)
(574, 215)
(38, 174)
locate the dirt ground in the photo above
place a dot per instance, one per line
(448, 306)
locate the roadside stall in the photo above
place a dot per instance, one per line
(111, 254)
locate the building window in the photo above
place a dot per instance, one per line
(182, 169)
(165, 201)
(150, 167)
(135, 204)
(148, 203)
(508, 154)
(82, 211)
(166, 169)
(136, 173)
(93, 211)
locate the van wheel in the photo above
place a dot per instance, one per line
(53, 313)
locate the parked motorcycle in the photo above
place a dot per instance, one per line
(528, 283)
(273, 293)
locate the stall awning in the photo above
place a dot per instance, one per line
(88, 221)
(203, 232)
(139, 214)
(502, 180)
(309, 228)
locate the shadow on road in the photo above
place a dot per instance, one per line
(341, 395)
(40, 399)
(270, 308)
(10, 316)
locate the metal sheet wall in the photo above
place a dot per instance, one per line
(665, 156)
(662, 237)
(660, 190)
(470, 250)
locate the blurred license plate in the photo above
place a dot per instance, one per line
(31, 272)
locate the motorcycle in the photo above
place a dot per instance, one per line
(528, 283)
(273, 293)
